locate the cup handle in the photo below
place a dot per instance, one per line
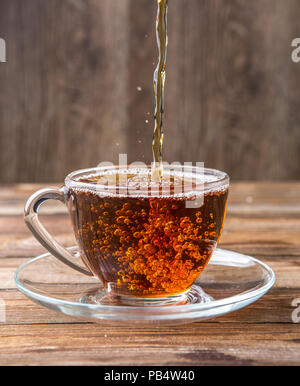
(41, 234)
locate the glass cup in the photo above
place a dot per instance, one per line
(146, 241)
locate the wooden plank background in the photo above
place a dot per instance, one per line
(70, 88)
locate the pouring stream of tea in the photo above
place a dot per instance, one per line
(159, 86)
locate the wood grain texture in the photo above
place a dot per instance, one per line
(63, 98)
(230, 77)
(263, 221)
(77, 86)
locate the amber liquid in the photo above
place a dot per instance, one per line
(159, 88)
(146, 246)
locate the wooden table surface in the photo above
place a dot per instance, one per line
(263, 221)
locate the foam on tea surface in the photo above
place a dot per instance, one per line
(139, 182)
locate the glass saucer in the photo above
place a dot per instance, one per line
(230, 281)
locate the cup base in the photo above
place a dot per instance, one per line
(195, 295)
(148, 302)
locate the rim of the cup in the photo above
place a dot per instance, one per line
(219, 182)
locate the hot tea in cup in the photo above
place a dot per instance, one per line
(146, 241)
